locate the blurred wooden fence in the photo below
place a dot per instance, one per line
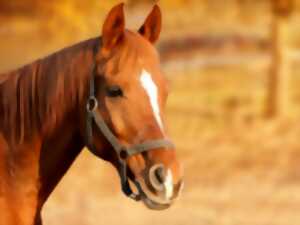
(277, 100)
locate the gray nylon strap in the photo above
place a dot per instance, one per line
(136, 149)
(92, 82)
(106, 131)
(89, 119)
(148, 145)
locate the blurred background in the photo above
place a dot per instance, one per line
(233, 110)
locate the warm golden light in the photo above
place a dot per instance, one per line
(233, 109)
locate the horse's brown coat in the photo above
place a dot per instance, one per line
(38, 107)
(42, 114)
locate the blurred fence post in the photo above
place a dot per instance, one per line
(277, 99)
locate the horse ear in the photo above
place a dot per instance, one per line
(152, 26)
(114, 27)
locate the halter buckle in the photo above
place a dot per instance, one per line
(92, 104)
(123, 154)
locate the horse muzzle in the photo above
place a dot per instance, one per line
(158, 190)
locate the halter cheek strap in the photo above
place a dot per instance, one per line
(123, 152)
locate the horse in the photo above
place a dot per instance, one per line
(107, 94)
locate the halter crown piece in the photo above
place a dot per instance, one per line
(123, 152)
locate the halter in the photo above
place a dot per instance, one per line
(122, 151)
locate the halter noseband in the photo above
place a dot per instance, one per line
(122, 151)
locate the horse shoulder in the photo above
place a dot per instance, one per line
(6, 211)
(18, 183)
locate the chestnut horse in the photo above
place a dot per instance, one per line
(106, 93)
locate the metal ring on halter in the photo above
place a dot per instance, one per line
(92, 104)
(123, 154)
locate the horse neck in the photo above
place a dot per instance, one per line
(57, 154)
(36, 98)
(65, 142)
(50, 94)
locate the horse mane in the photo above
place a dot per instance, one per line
(36, 97)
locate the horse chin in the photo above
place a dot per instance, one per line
(150, 204)
(150, 201)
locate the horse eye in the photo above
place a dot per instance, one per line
(114, 91)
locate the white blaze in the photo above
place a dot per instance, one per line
(169, 184)
(152, 92)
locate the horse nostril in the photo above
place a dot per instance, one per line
(160, 175)
(157, 176)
